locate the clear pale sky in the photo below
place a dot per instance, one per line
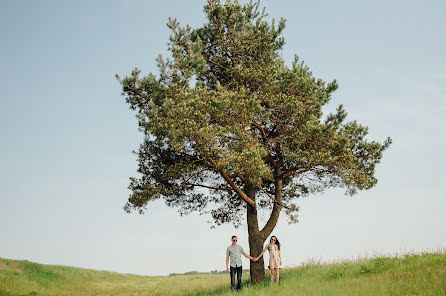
(67, 135)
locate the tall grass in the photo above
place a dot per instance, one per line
(27, 278)
(412, 274)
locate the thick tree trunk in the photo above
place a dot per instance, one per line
(257, 237)
(257, 269)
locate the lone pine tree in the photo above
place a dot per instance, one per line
(231, 129)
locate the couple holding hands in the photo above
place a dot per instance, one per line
(234, 252)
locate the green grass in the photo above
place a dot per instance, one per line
(412, 274)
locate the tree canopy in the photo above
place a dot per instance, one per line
(226, 119)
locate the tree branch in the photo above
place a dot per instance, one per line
(272, 221)
(237, 189)
(304, 169)
(234, 186)
(265, 141)
(216, 64)
(185, 182)
(295, 170)
(270, 196)
(237, 176)
(210, 187)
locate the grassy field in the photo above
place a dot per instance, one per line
(413, 274)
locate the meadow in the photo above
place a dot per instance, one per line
(410, 274)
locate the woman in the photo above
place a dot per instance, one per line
(275, 259)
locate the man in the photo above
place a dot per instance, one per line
(234, 252)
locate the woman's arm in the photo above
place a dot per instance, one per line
(263, 252)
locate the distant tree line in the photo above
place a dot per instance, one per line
(196, 272)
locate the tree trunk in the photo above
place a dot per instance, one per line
(256, 269)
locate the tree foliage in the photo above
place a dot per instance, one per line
(226, 113)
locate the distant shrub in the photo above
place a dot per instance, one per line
(191, 272)
(376, 265)
(364, 269)
(336, 272)
(381, 264)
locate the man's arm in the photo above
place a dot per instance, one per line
(227, 262)
(247, 256)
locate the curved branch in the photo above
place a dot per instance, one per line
(237, 176)
(237, 189)
(270, 196)
(233, 185)
(272, 221)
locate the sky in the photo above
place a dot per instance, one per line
(67, 134)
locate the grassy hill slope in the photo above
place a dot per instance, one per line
(408, 275)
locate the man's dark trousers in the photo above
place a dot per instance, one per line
(237, 270)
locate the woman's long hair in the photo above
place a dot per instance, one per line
(277, 241)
